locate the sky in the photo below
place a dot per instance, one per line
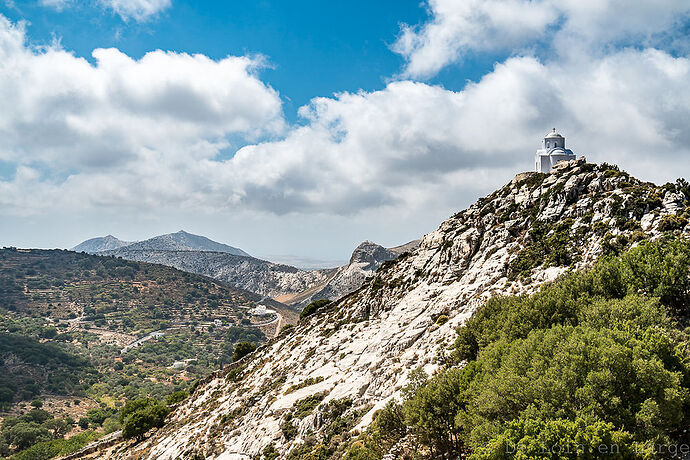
(306, 127)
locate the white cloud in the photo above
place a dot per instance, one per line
(70, 115)
(139, 10)
(145, 135)
(57, 4)
(457, 27)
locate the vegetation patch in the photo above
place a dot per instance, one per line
(670, 222)
(549, 246)
(303, 384)
(598, 359)
(305, 406)
(314, 307)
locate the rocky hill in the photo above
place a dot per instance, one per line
(362, 348)
(365, 260)
(179, 241)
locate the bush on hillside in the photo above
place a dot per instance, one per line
(141, 415)
(242, 349)
(594, 360)
(313, 307)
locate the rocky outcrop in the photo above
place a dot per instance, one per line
(365, 260)
(363, 346)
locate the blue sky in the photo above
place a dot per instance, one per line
(306, 127)
(313, 48)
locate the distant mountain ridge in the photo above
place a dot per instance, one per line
(102, 243)
(284, 283)
(179, 241)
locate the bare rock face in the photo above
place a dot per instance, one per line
(364, 346)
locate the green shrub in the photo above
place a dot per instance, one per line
(313, 307)
(305, 406)
(57, 447)
(359, 451)
(235, 374)
(176, 398)
(306, 383)
(139, 416)
(288, 428)
(441, 320)
(242, 349)
(672, 222)
(269, 452)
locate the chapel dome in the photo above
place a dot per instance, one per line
(553, 134)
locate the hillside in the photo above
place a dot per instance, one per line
(66, 285)
(77, 332)
(347, 362)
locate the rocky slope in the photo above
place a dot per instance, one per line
(364, 346)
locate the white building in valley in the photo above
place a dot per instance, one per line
(551, 152)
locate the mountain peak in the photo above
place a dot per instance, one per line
(99, 244)
(178, 241)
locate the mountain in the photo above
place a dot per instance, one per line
(284, 283)
(183, 241)
(357, 354)
(180, 241)
(103, 243)
(256, 275)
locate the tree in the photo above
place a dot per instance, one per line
(580, 438)
(26, 434)
(242, 349)
(313, 307)
(84, 423)
(432, 411)
(141, 415)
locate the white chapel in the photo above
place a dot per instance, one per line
(551, 152)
